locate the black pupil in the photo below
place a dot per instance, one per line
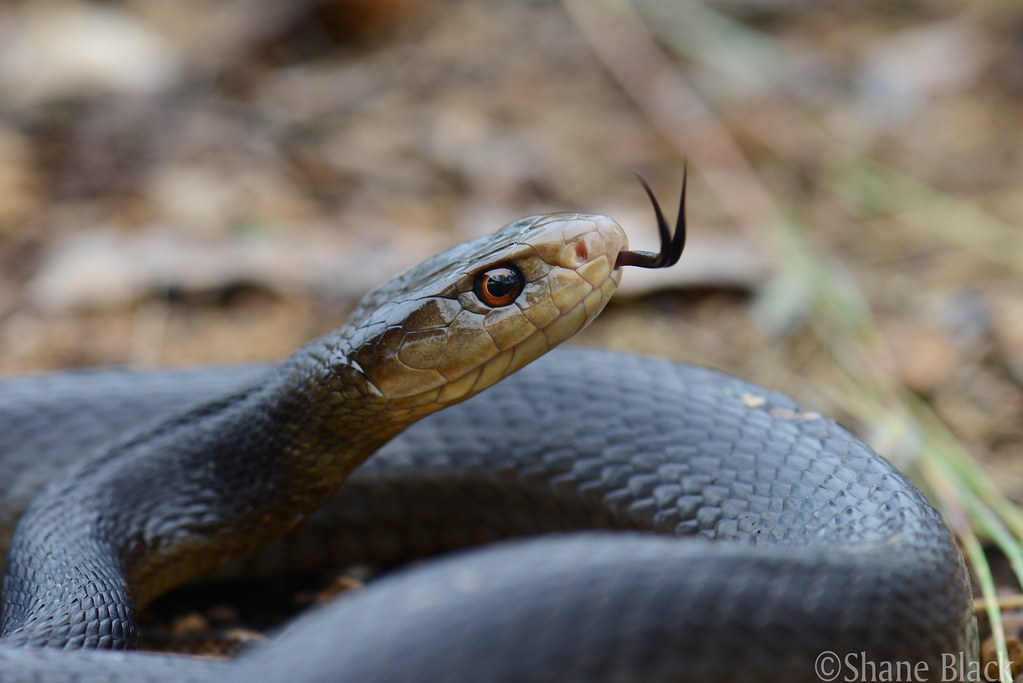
(501, 283)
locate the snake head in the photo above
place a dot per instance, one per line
(461, 321)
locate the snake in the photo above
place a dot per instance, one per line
(590, 516)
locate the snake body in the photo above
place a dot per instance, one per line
(825, 546)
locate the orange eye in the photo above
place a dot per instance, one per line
(499, 286)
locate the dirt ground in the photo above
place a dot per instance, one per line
(187, 182)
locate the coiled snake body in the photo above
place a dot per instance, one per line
(827, 549)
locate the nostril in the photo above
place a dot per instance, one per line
(581, 251)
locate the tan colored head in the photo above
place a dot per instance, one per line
(462, 320)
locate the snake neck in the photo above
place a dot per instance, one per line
(114, 533)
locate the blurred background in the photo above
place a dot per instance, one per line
(187, 182)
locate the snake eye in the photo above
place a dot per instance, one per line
(499, 286)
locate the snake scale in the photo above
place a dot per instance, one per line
(595, 482)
